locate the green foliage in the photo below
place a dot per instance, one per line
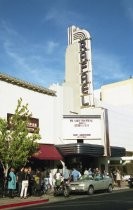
(16, 143)
(3, 139)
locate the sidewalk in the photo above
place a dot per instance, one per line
(8, 203)
(124, 185)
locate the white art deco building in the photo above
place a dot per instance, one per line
(85, 126)
(77, 124)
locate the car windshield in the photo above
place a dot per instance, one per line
(86, 177)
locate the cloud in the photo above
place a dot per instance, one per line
(16, 58)
(51, 46)
(6, 29)
(51, 15)
(43, 63)
(108, 68)
(35, 63)
(62, 16)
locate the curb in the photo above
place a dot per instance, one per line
(11, 205)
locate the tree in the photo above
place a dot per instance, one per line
(16, 143)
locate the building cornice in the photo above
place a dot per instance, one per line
(27, 85)
(118, 84)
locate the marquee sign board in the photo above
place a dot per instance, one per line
(82, 127)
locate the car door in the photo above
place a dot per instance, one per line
(107, 181)
(99, 183)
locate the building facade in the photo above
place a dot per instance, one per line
(117, 98)
(85, 133)
(41, 103)
(84, 125)
(39, 100)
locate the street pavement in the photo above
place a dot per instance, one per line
(9, 203)
(117, 200)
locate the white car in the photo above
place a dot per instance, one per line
(89, 184)
(126, 177)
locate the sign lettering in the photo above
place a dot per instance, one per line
(84, 73)
(32, 124)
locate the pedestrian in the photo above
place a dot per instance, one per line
(31, 182)
(114, 175)
(75, 174)
(38, 181)
(118, 178)
(58, 178)
(50, 179)
(97, 174)
(66, 174)
(46, 181)
(11, 179)
(25, 183)
(19, 180)
(90, 172)
(86, 172)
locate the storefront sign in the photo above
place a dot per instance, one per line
(82, 127)
(32, 125)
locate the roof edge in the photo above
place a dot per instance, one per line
(28, 85)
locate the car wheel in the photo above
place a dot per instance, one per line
(110, 188)
(90, 190)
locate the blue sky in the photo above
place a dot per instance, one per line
(33, 38)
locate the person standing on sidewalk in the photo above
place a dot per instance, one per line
(75, 175)
(11, 182)
(19, 180)
(31, 182)
(118, 178)
(66, 174)
(86, 172)
(25, 183)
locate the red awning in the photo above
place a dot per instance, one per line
(47, 152)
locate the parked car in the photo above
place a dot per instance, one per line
(130, 182)
(89, 184)
(125, 177)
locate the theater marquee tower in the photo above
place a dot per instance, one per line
(78, 84)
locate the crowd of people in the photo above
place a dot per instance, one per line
(26, 182)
